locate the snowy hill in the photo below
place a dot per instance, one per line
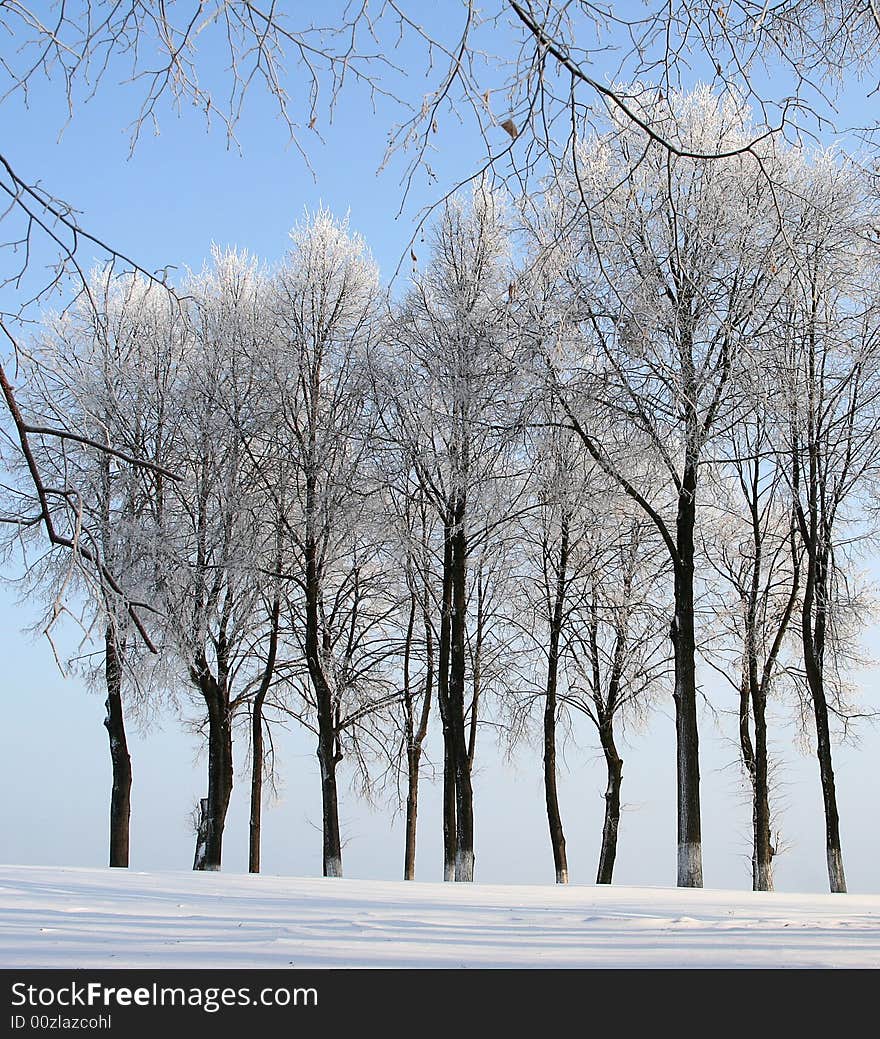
(53, 917)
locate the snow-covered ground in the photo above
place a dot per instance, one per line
(52, 917)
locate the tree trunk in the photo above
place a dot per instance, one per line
(815, 682)
(756, 680)
(449, 824)
(833, 852)
(464, 805)
(332, 846)
(114, 719)
(201, 832)
(762, 853)
(554, 817)
(220, 775)
(415, 736)
(753, 704)
(413, 753)
(114, 722)
(449, 802)
(257, 742)
(412, 811)
(690, 851)
(813, 639)
(614, 764)
(219, 784)
(256, 785)
(328, 757)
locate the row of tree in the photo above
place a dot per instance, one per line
(624, 425)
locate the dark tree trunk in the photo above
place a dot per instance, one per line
(554, 817)
(201, 832)
(816, 523)
(328, 755)
(256, 785)
(833, 852)
(614, 764)
(220, 774)
(414, 755)
(813, 638)
(690, 851)
(114, 722)
(214, 690)
(114, 719)
(458, 820)
(753, 704)
(762, 853)
(219, 785)
(449, 813)
(257, 742)
(756, 762)
(605, 710)
(415, 736)
(449, 823)
(328, 759)
(473, 713)
(757, 679)
(464, 807)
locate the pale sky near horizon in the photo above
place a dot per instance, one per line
(180, 192)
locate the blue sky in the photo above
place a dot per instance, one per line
(178, 193)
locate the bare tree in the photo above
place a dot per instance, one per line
(547, 590)
(259, 719)
(617, 652)
(84, 372)
(667, 264)
(752, 545)
(204, 539)
(454, 377)
(593, 585)
(829, 377)
(414, 532)
(325, 306)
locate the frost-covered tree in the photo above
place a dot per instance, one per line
(591, 610)
(666, 262)
(450, 377)
(827, 370)
(415, 540)
(751, 544)
(617, 654)
(205, 540)
(87, 377)
(324, 309)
